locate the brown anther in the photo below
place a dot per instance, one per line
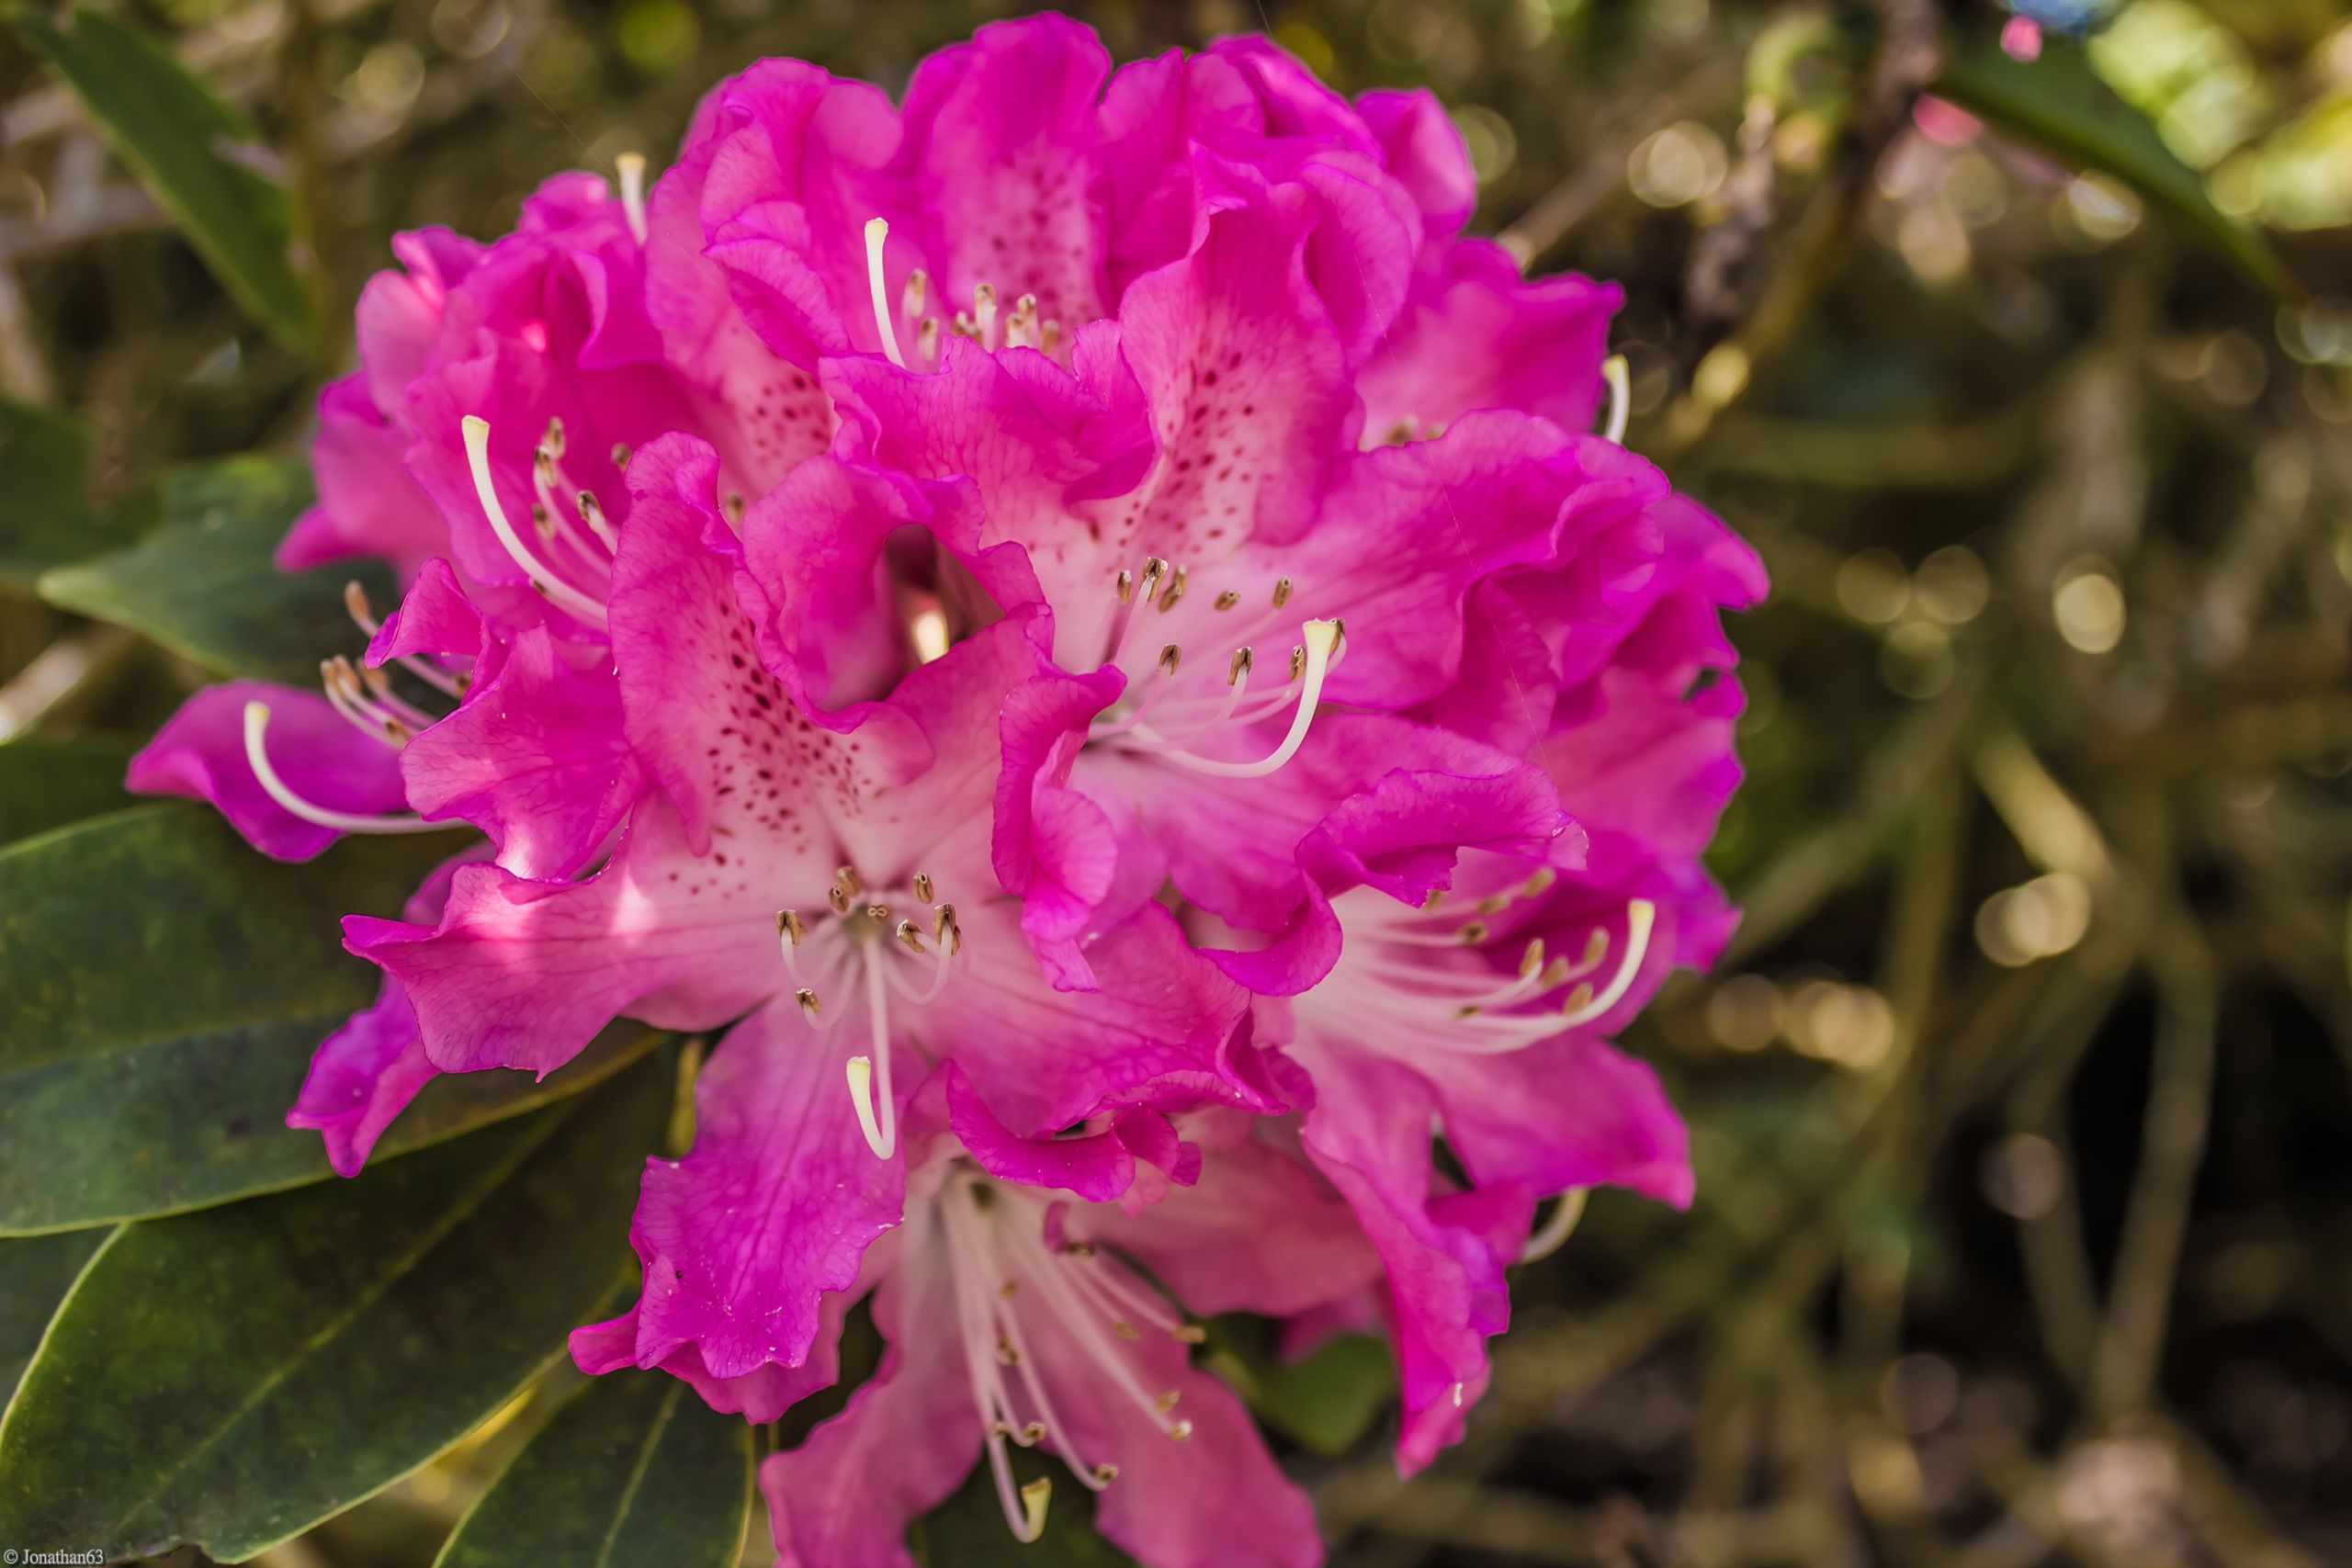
(789, 925)
(1033, 1433)
(943, 921)
(1009, 1290)
(1179, 1431)
(927, 337)
(1080, 1249)
(620, 454)
(1228, 599)
(1125, 584)
(1154, 568)
(1538, 882)
(355, 601)
(1188, 1334)
(396, 732)
(1005, 1353)
(1125, 1330)
(1494, 902)
(1473, 932)
(838, 896)
(589, 507)
(1049, 336)
(1532, 960)
(1166, 1401)
(1555, 974)
(1239, 668)
(553, 440)
(1297, 660)
(922, 887)
(1025, 306)
(911, 301)
(542, 522)
(1437, 896)
(732, 506)
(543, 464)
(845, 878)
(1578, 998)
(1595, 948)
(984, 298)
(908, 935)
(808, 1001)
(1167, 657)
(1467, 1010)
(1106, 1473)
(1281, 592)
(962, 326)
(1175, 591)
(378, 681)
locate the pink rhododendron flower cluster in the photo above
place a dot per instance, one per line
(1074, 618)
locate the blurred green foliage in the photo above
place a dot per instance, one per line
(2022, 1100)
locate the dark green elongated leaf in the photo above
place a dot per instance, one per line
(230, 1378)
(46, 518)
(203, 1121)
(199, 157)
(35, 1274)
(969, 1530)
(130, 945)
(2058, 104)
(48, 784)
(203, 585)
(636, 1471)
(1325, 1401)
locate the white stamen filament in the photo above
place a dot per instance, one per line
(878, 231)
(1620, 399)
(554, 588)
(257, 758)
(633, 171)
(1554, 1233)
(1320, 637)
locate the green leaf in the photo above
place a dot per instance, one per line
(1325, 1402)
(35, 1274)
(203, 584)
(199, 157)
(161, 988)
(969, 1530)
(230, 1378)
(635, 1472)
(48, 784)
(46, 519)
(2058, 104)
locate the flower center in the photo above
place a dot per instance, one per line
(984, 323)
(1173, 708)
(575, 539)
(867, 949)
(1427, 979)
(1016, 1297)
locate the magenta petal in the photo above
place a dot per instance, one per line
(772, 1207)
(1475, 336)
(533, 757)
(319, 755)
(1370, 1133)
(844, 1497)
(363, 1077)
(1259, 1231)
(1000, 152)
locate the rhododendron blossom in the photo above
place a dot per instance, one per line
(1075, 623)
